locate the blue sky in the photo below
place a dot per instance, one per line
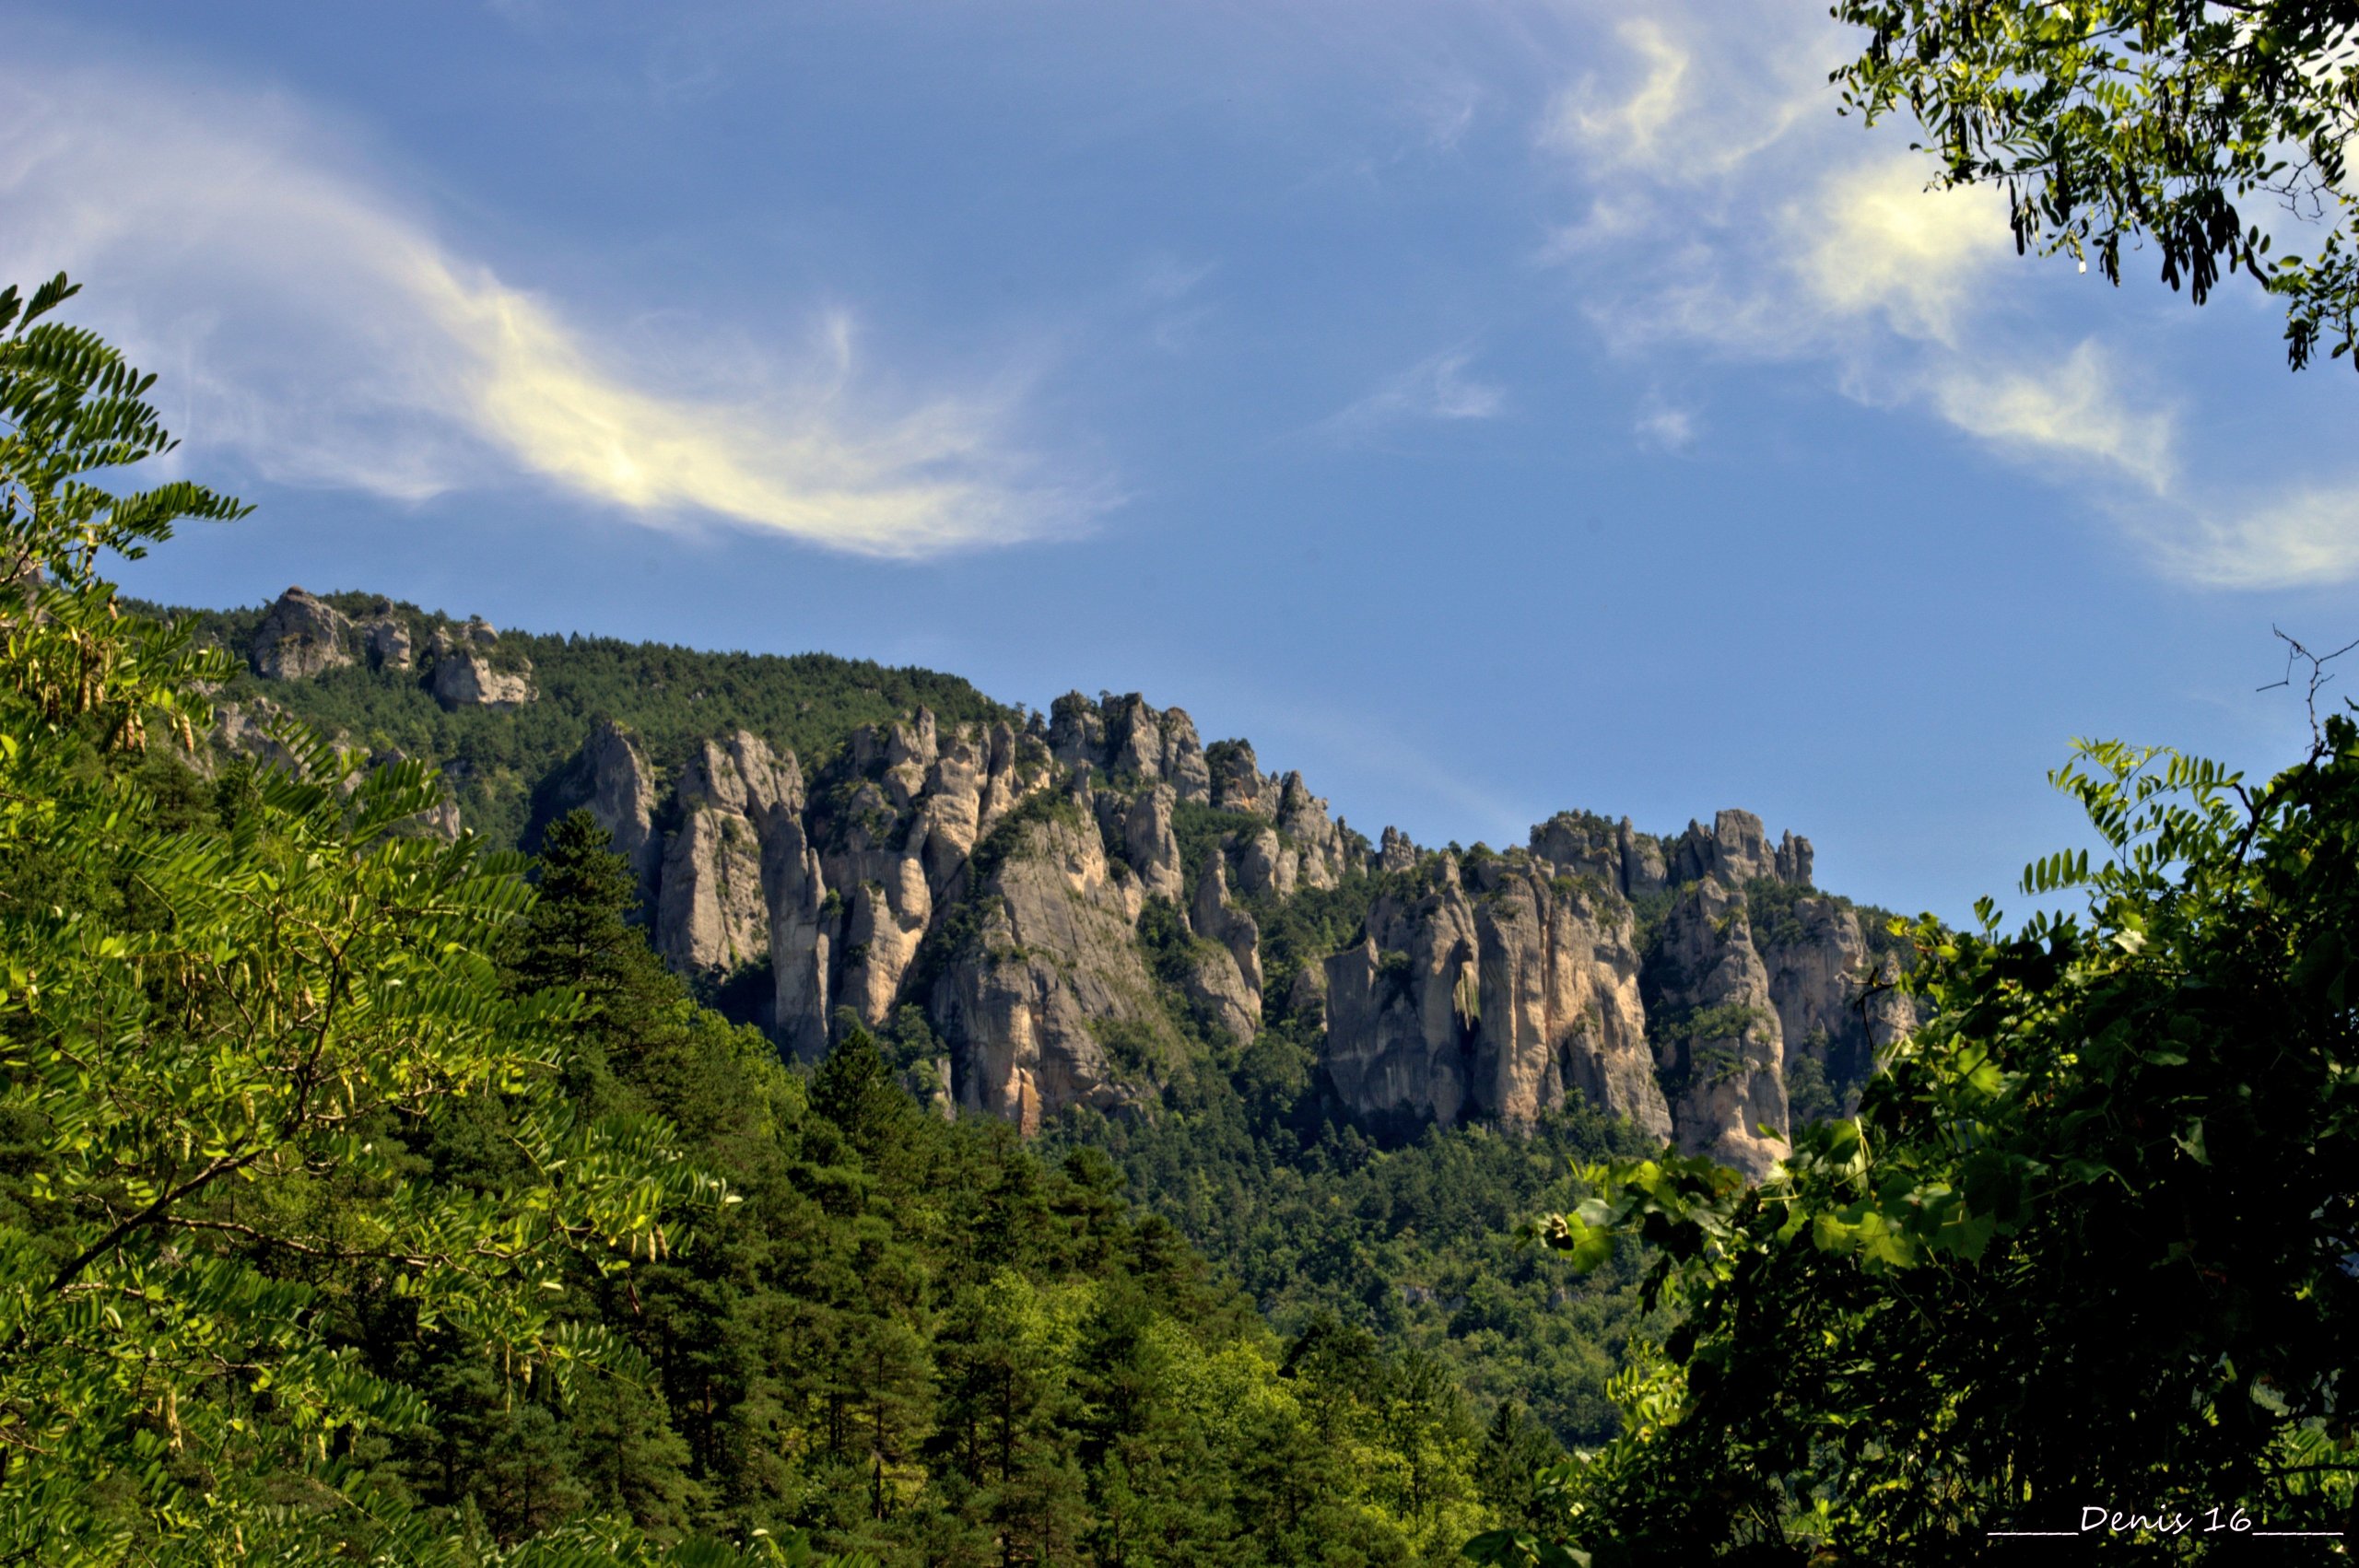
(1485, 408)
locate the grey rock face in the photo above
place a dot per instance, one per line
(1643, 870)
(1183, 758)
(1266, 865)
(299, 636)
(386, 642)
(1736, 849)
(1049, 995)
(1216, 988)
(712, 913)
(1236, 782)
(1492, 994)
(1579, 844)
(465, 677)
(804, 927)
(1122, 737)
(1151, 845)
(1793, 860)
(1719, 1042)
(1817, 967)
(1077, 733)
(1236, 929)
(1316, 843)
(611, 779)
(1016, 863)
(853, 884)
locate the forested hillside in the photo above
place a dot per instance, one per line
(915, 1338)
(1344, 1070)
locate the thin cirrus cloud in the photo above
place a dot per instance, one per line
(1723, 203)
(304, 318)
(1434, 388)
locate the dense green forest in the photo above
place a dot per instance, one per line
(913, 1337)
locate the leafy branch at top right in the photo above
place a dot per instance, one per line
(2122, 124)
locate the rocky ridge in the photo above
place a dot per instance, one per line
(302, 636)
(1064, 911)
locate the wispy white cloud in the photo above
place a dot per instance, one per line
(1873, 239)
(1665, 427)
(2073, 410)
(316, 322)
(2303, 534)
(1626, 127)
(1722, 204)
(1437, 388)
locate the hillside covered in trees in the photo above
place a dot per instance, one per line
(1344, 1070)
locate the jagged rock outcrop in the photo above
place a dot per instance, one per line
(1008, 879)
(1220, 920)
(1817, 967)
(1581, 844)
(1264, 864)
(1833, 1002)
(1791, 863)
(855, 883)
(1122, 737)
(1720, 1045)
(470, 673)
(1047, 995)
(1643, 869)
(1317, 845)
(712, 913)
(609, 776)
(386, 642)
(1614, 854)
(1152, 847)
(1495, 992)
(1736, 849)
(803, 918)
(1217, 991)
(1236, 782)
(299, 636)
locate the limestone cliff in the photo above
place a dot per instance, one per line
(1044, 987)
(1834, 1000)
(713, 912)
(855, 885)
(609, 776)
(1062, 909)
(1719, 1043)
(466, 670)
(1494, 989)
(300, 638)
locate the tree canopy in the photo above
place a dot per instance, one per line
(2092, 1241)
(2117, 124)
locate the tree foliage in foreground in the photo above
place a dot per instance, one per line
(2113, 123)
(2091, 1242)
(224, 1022)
